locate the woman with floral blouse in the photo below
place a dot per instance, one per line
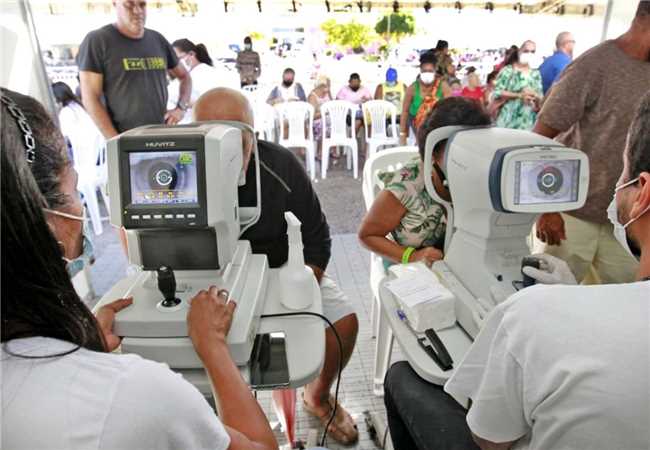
(519, 90)
(404, 223)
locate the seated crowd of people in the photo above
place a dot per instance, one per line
(554, 367)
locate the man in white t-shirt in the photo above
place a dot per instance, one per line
(554, 367)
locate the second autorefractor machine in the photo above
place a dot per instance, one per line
(174, 191)
(500, 180)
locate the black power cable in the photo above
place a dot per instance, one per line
(323, 442)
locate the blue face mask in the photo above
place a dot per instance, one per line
(76, 265)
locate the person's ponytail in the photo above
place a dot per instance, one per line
(202, 54)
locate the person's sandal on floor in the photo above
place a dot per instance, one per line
(342, 429)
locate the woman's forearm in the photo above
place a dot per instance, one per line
(508, 95)
(383, 247)
(237, 407)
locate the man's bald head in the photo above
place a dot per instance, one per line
(227, 104)
(223, 104)
(564, 42)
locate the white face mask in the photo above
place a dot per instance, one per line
(427, 77)
(619, 230)
(87, 255)
(527, 58)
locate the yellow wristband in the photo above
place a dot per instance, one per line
(407, 255)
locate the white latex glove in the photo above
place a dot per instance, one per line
(551, 270)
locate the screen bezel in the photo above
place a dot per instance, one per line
(502, 188)
(130, 145)
(517, 168)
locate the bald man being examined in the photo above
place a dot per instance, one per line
(553, 66)
(286, 187)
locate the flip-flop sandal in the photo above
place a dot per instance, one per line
(342, 429)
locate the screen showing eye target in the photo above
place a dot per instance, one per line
(163, 178)
(539, 182)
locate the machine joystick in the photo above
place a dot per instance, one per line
(167, 286)
(529, 261)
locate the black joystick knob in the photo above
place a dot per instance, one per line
(529, 261)
(167, 286)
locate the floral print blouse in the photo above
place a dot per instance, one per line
(424, 223)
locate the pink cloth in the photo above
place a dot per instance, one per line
(358, 97)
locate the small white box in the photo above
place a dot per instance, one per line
(426, 302)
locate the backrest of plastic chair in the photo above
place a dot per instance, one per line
(335, 115)
(296, 113)
(265, 118)
(390, 159)
(377, 111)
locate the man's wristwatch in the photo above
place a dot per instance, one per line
(182, 106)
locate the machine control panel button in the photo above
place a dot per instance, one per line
(146, 216)
(191, 216)
(180, 216)
(157, 216)
(135, 217)
(169, 216)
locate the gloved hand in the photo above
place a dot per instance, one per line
(551, 270)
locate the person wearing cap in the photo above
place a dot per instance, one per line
(319, 95)
(392, 91)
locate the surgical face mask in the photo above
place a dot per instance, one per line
(527, 58)
(619, 230)
(76, 265)
(427, 77)
(248, 46)
(187, 65)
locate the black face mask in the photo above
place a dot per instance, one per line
(287, 83)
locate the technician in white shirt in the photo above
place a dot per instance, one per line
(554, 367)
(205, 75)
(61, 386)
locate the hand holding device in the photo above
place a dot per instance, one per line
(552, 270)
(209, 320)
(550, 229)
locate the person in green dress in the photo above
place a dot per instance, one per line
(404, 216)
(520, 85)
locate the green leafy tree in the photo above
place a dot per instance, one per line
(396, 26)
(347, 35)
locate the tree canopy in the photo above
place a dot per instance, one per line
(401, 25)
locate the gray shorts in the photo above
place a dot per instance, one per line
(335, 304)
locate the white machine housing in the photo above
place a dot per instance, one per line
(499, 180)
(174, 190)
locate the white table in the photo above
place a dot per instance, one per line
(304, 336)
(391, 326)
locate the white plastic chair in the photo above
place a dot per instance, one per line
(390, 159)
(266, 121)
(87, 149)
(299, 118)
(376, 112)
(335, 114)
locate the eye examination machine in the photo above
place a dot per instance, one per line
(174, 192)
(499, 181)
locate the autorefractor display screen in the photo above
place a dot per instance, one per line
(540, 182)
(163, 178)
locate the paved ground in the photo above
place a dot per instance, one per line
(342, 202)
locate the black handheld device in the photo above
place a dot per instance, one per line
(531, 261)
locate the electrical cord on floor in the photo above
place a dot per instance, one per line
(323, 442)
